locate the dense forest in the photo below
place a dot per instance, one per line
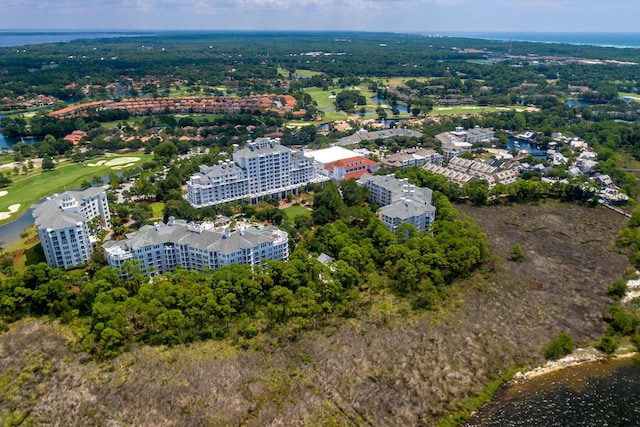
(249, 63)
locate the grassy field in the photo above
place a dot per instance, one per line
(474, 109)
(158, 210)
(25, 190)
(301, 73)
(629, 95)
(293, 211)
(325, 100)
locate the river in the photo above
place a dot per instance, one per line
(604, 393)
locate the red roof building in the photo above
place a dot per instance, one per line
(353, 167)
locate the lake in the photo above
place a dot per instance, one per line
(604, 393)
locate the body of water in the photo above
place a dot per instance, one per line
(526, 145)
(10, 233)
(605, 393)
(401, 107)
(24, 38)
(592, 39)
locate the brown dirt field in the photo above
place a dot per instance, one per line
(388, 368)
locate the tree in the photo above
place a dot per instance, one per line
(283, 296)
(354, 194)
(516, 254)
(47, 163)
(618, 289)
(141, 212)
(608, 345)
(327, 204)
(4, 181)
(559, 347)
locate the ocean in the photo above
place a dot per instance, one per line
(30, 37)
(612, 39)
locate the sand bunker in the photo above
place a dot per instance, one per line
(117, 168)
(3, 193)
(122, 161)
(12, 209)
(98, 163)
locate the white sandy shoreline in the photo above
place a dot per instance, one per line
(578, 357)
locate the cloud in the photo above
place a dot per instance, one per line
(370, 15)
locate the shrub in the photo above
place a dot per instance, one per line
(516, 253)
(608, 345)
(618, 289)
(559, 347)
(636, 341)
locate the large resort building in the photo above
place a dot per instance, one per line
(162, 247)
(62, 224)
(262, 168)
(400, 202)
(461, 140)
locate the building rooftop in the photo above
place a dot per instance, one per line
(406, 208)
(332, 154)
(50, 213)
(195, 236)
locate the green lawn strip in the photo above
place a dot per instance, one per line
(629, 95)
(299, 72)
(6, 158)
(471, 109)
(293, 211)
(322, 97)
(471, 404)
(158, 210)
(66, 176)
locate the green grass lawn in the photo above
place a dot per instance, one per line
(301, 73)
(629, 95)
(472, 109)
(399, 81)
(293, 211)
(158, 210)
(25, 190)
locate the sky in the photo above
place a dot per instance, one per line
(428, 16)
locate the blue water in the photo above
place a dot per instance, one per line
(524, 145)
(401, 107)
(10, 233)
(595, 394)
(592, 39)
(24, 38)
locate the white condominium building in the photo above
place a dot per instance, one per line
(62, 220)
(262, 168)
(400, 201)
(160, 248)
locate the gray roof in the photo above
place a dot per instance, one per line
(405, 209)
(399, 188)
(216, 171)
(192, 235)
(260, 147)
(48, 214)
